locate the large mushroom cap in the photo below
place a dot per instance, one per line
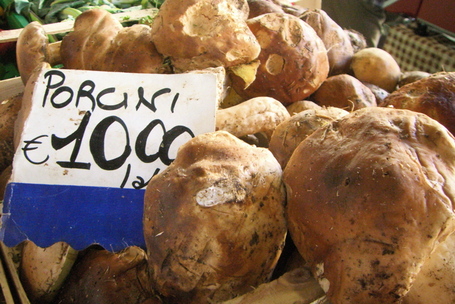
(201, 34)
(344, 91)
(293, 61)
(214, 221)
(369, 197)
(336, 40)
(433, 95)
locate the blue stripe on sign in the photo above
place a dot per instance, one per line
(78, 215)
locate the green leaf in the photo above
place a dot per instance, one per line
(53, 15)
(157, 3)
(20, 5)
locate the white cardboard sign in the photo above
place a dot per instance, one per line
(89, 132)
(106, 129)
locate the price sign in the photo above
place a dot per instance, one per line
(89, 144)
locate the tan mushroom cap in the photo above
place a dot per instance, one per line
(291, 132)
(214, 221)
(369, 197)
(202, 34)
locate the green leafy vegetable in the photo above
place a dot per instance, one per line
(51, 11)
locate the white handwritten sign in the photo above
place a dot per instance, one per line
(91, 142)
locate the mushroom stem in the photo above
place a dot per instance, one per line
(32, 49)
(53, 53)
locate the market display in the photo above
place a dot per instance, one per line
(321, 145)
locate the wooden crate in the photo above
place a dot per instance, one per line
(12, 291)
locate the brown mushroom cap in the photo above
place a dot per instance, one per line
(259, 7)
(369, 197)
(214, 220)
(132, 50)
(293, 59)
(336, 40)
(291, 132)
(101, 276)
(302, 105)
(86, 46)
(433, 96)
(344, 91)
(201, 34)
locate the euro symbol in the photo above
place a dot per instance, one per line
(28, 148)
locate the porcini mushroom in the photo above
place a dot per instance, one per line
(432, 95)
(33, 48)
(214, 220)
(99, 42)
(259, 114)
(336, 40)
(201, 34)
(370, 196)
(293, 60)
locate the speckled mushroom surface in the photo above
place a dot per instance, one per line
(369, 197)
(214, 221)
